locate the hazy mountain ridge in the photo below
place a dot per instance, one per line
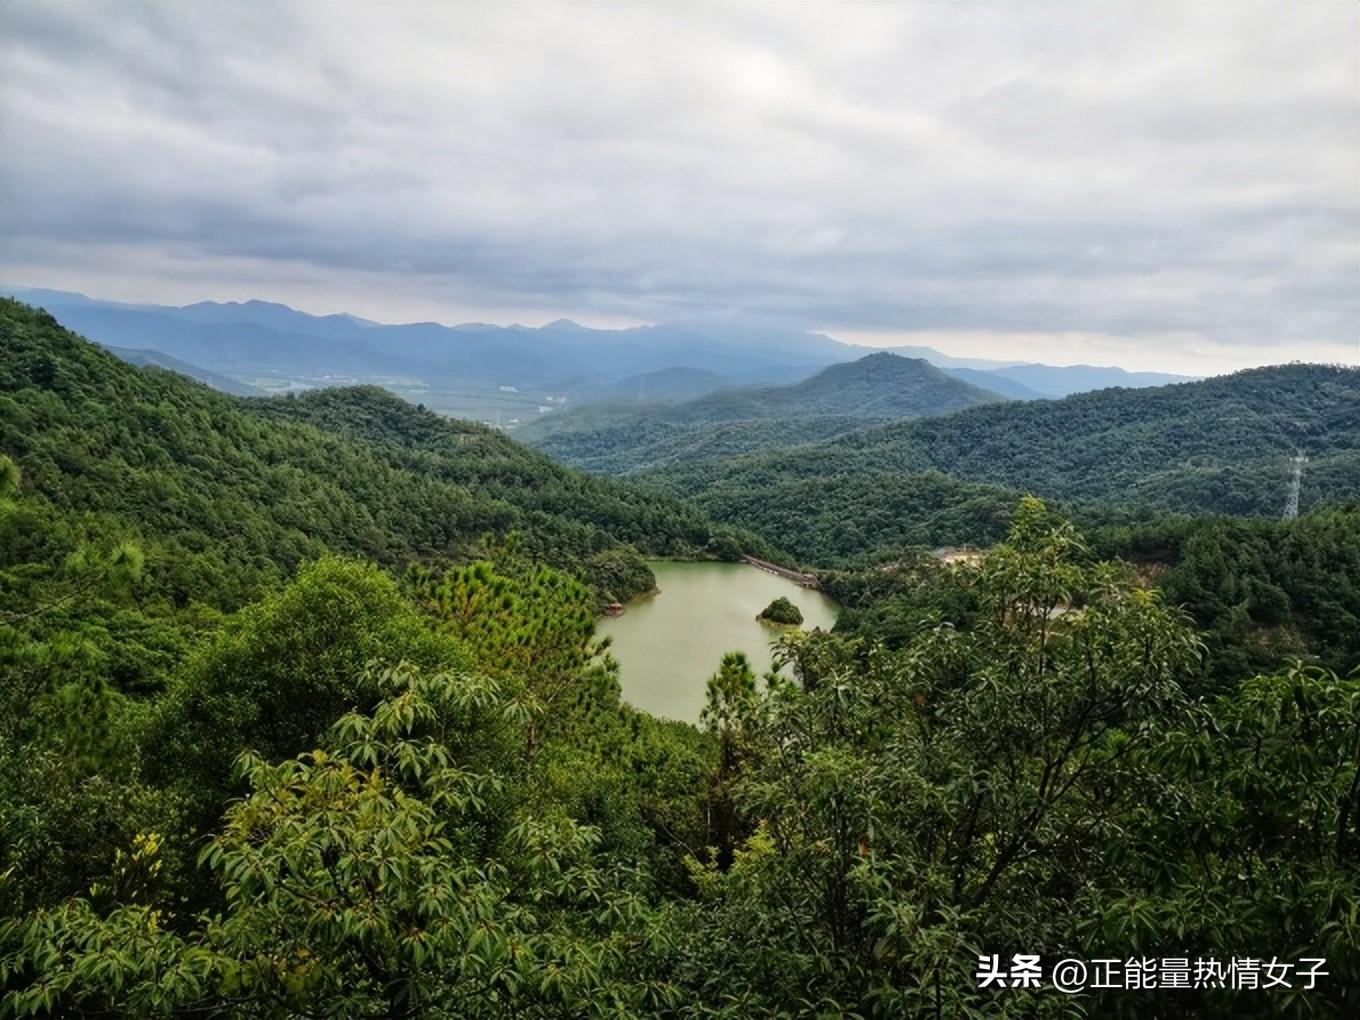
(997, 383)
(279, 339)
(225, 384)
(486, 371)
(1063, 381)
(668, 384)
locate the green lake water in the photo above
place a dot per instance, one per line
(670, 643)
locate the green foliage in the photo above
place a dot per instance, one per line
(823, 513)
(1224, 445)
(9, 481)
(1026, 773)
(68, 645)
(533, 627)
(782, 611)
(617, 439)
(356, 883)
(1247, 836)
(1265, 593)
(227, 496)
(730, 716)
(533, 622)
(282, 670)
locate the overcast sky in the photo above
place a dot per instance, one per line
(1161, 186)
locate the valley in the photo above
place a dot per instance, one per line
(322, 656)
(679, 511)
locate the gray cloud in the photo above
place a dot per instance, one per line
(1141, 174)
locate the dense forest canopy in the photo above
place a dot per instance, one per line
(845, 496)
(306, 716)
(1223, 445)
(232, 494)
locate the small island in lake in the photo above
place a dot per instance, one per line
(783, 612)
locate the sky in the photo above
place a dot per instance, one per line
(1164, 187)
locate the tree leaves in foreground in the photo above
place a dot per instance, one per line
(1025, 776)
(357, 883)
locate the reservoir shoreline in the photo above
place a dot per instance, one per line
(670, 641)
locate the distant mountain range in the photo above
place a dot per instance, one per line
(507, 374)
(1020, 381)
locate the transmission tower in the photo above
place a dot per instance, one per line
(1291, 504)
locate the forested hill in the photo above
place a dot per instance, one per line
(226, 384)
(227, 495)
(1221, 445)
(877, 386)
(880, 387)
(360, 796)
(1224, 445)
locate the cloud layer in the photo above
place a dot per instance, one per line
(1169, 186)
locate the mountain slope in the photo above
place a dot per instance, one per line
(1224, 445)
(230, 494)
(1221, 445)
(998, 382)
(879, 387)
(1065, 380)
(668, 384)
(882, 385)
(142, 358)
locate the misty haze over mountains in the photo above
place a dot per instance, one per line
(508, 374)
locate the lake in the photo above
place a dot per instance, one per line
(669, 644)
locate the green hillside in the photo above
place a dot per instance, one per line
(228, 495)
(1220, 445)
(1265, 592)
(244, 776)
(880, 387)
(607, 440)
(1223, 445)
